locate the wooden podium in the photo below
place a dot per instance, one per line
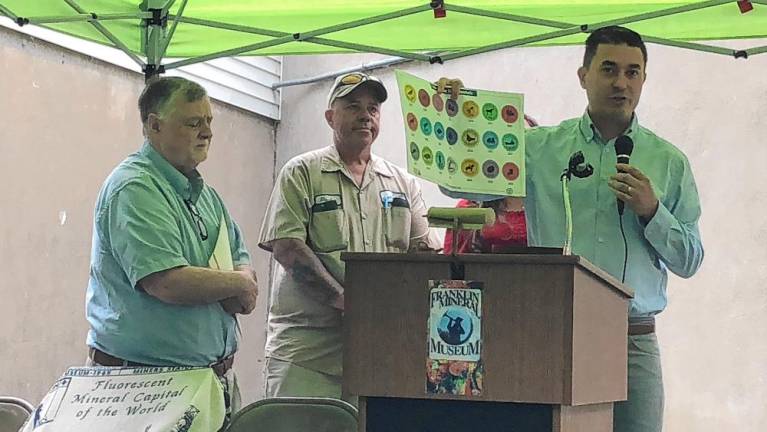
(554, 344)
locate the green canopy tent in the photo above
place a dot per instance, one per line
(151, 32)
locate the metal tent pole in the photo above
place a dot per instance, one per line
(309, 36)
(154, 35)
(106, 33)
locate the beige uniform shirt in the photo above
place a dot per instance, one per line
(315, 200)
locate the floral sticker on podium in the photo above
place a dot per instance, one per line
(454, 364)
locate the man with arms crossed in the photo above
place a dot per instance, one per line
(158, 295)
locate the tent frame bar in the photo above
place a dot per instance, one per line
(309, 36)
(756, 50)
(378, 64)
(172, 31)
(156, 36)
(618, 21)
(371, 49)
(570, 29)
(106, 33)
(7, 12)
(89, 17)
(316, 40)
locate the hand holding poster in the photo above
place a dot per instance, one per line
(144, 399)
(473, 144)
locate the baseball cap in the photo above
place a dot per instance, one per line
(345, 84)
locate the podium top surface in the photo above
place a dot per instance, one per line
(545, 259)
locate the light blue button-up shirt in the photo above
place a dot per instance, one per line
(670, 241)
(142, 226)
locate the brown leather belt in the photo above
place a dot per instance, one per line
(641, 329)
(101, 358)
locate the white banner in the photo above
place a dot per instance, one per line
(141, 399)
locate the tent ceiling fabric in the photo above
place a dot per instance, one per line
(200, 34)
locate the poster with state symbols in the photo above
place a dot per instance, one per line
(475, 143)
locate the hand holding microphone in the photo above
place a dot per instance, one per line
(630, 185)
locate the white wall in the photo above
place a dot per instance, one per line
(714, 333)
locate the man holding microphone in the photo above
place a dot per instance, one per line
(657, 188)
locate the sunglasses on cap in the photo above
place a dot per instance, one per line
(353, 78)
(345, 84)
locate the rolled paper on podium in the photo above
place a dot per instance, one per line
(466, 218)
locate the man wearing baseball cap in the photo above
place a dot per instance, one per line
(340, 198)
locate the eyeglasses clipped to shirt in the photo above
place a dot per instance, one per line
(201, 228)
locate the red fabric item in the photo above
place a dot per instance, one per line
(745, 6)
(509, 229)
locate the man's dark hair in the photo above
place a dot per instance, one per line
(612, 35)
(160, 91)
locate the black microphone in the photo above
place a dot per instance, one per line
(623, 148)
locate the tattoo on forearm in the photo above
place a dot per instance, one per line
(313, 284)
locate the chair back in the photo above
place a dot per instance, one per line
(292, 414)
(13, 413)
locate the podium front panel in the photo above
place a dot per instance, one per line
(534, 311)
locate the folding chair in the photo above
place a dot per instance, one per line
(293, 414)
(13, 413)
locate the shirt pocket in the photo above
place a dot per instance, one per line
(396, 224)
(327, 229)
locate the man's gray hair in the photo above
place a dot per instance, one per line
(159, 92)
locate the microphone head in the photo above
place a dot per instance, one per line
(623, 148)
